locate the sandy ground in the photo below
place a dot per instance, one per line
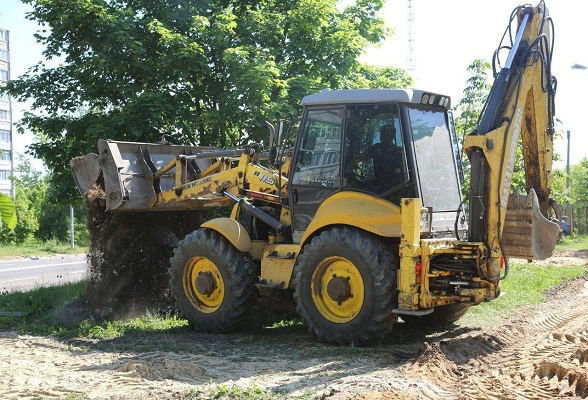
(540, 353)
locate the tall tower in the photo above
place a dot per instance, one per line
(410, 61)
(6, 150)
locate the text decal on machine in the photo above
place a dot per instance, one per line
(264, 178)
(511, 157)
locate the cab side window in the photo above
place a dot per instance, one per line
(320, 151)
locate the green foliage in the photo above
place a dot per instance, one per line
(27, 209)
(579, 195)
(470, 107)
(150, 322)
(35, 247)
(373, 77)
(29, 189)
(8, 216)
(579, 183)
(38, 213)
(54, 220)
(560, 192)
(251, 393)
(205, 72)
(578, 242)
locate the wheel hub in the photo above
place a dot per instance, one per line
(339, 289)
(205, 283)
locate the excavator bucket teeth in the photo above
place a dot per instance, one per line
(86, 171)
(527, 233)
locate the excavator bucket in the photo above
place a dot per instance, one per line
(127, 170)
(527, 233)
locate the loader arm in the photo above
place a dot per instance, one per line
(519, 111)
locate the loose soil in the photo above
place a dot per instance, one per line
(539, 353)
(129, 256)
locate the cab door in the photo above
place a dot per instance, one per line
(317, 166)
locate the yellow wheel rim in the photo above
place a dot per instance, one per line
(337, 289)
(203, 284)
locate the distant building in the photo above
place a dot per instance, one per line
(6, 150)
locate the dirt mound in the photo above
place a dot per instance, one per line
(129, 255)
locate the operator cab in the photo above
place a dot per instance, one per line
(390, 143)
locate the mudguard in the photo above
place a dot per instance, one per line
(232, 230)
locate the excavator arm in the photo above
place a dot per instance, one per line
(518, 115)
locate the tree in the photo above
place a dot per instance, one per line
(373, 77)
(470, 107)
(29, 189)
(39, 215)
(204, 72)
(579, 194)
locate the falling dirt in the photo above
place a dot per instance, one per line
(129, 256)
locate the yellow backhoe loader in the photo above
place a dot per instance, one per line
(363, 217)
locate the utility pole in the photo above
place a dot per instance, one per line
(569, 206)
(71, 226)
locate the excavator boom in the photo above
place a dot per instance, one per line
(518, 112)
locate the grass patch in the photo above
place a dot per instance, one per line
(578, 242)
(149, 323)
(39, 308)
(48, 311)
(34, 247)
(224, 392)
(525, 284)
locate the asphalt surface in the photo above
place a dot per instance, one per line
(30, 273)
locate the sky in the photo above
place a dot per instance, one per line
(447, 36)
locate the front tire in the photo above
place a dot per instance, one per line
(345, 287)
(212, 282)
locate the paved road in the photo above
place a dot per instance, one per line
(25, 274)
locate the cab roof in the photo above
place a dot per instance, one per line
(415, 96)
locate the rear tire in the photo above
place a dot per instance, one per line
(212, 282)
(345, 287)
(443, 315)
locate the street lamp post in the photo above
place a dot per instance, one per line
(569, 208)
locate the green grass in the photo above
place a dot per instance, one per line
(44, 312)
(224, 392)
(578, 242)
(148, 323)
(39, 308)
(34, 247)
(525, 284)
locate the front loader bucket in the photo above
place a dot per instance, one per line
(127, 172)
(527, 233)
